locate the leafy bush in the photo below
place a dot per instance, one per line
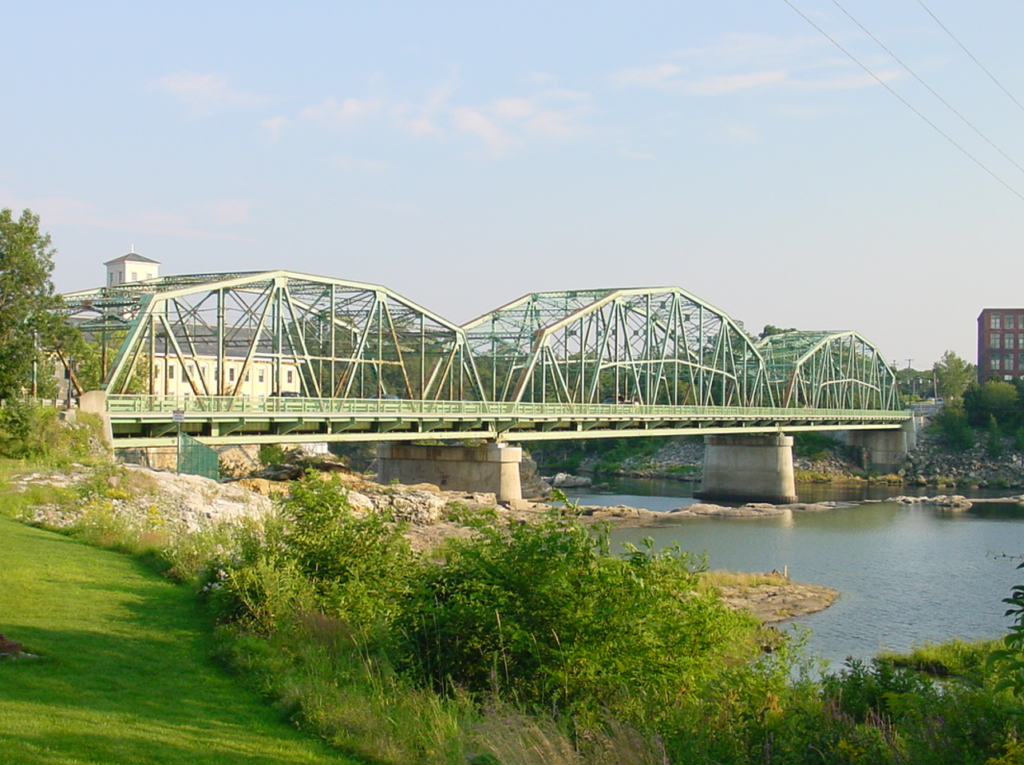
(272, 454)
(951, 424)
(317, 556)
(35, 432)
(816, 446)
(994, 447)
(862, 690)
(544, 615)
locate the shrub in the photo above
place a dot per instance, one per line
(816, 446)
(994, 447)
(861, 690)
(951, 424)
(272, 454)
(33, 432)
(317, 556)
(544, 615)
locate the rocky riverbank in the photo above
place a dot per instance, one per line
(777, 602)
(930, 464)
(153, 501)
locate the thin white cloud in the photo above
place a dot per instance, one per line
(507, 122)
(745, 62)
(739, 134)
(274, 126)
(422, 119)
(473, 121)
(499, 124)
(206, 92)
(656, 76)
(362, 165)
(334, 114)
(716, 86)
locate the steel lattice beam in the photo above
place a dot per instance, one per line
(646, 346)
(333, 337)
(830, 370)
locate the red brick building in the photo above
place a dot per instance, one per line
(1000, 344)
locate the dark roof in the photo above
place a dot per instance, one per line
(132, 256)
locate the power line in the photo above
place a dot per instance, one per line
(973, 58)
(928, 87)
(904, 101)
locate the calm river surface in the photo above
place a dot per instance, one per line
(908, 575)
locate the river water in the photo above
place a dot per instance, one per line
(907, 575)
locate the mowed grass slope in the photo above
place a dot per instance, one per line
(123, 674)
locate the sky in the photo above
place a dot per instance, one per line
(802, 163)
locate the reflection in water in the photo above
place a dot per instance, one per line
(907, 574)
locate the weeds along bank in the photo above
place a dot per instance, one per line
(521, 642)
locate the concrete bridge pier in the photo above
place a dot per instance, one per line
(487, 468)
(882, 451)
(748, 468)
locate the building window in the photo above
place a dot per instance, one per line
(996, 362)
(156, 371)
(995, 340)
(1008, 344)
(135, 276)
(110, 278)
(231, 374)
(1020, 361)
(993, 321)
(170, 371)
(1010, 321)
(260, 375)
(247, 374)
(289, 377)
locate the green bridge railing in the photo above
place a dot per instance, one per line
(123, 404)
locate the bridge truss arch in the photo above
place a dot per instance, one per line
(829, 370)
(312, 336)
(643, 346)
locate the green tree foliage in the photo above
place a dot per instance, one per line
(951, 423)
(28, 322)
(31, 432)
(771, 329)
(360, 565)
(913, 384)
(539, 614)
(953, 375)
(545, 615)
(1009, 661)
(995, 399)
(994, 447)
(318, 557)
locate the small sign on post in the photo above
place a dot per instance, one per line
(179, 416)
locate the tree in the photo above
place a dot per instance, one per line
(953, 375)
(994, 400)
(29, 323)
(771, 329)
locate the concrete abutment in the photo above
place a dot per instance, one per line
(488, 468)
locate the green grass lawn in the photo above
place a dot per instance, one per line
(123, 674)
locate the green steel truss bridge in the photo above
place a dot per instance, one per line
(278, 356)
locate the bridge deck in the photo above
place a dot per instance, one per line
(149, 420)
